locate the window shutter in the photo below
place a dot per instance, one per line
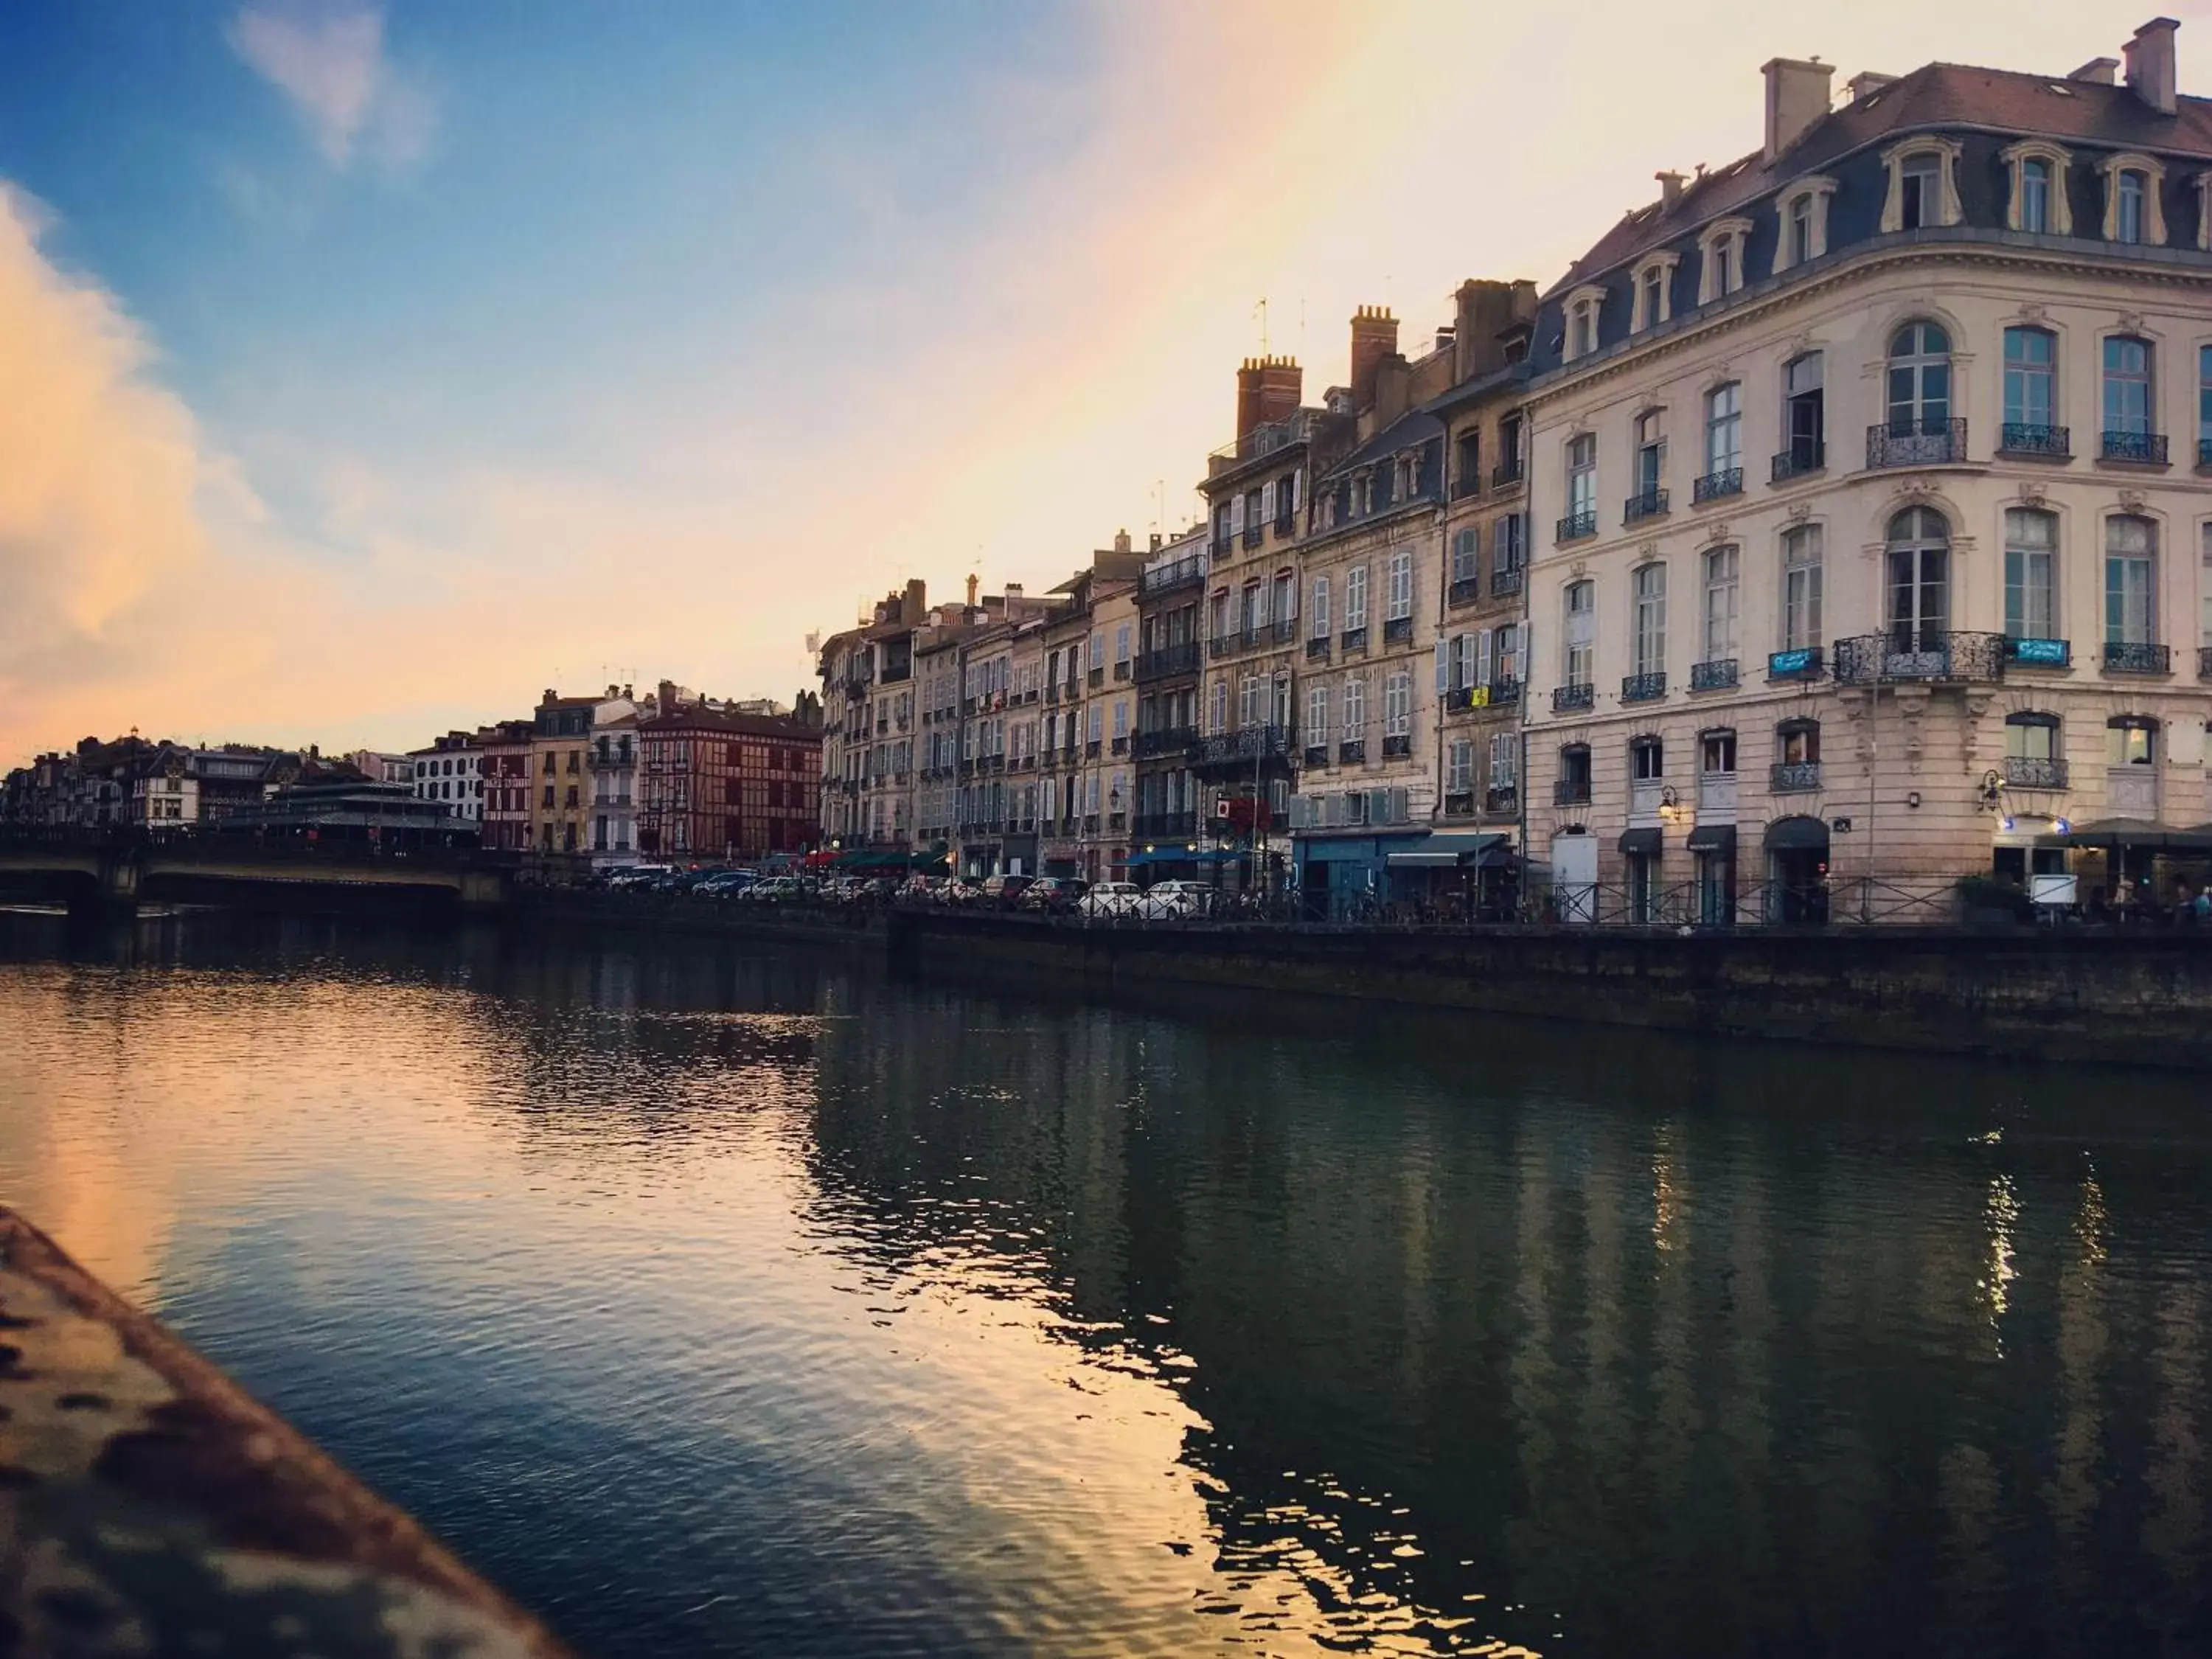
(1444, 667)
(1482, 662)
(1268, 501)
(1235, 514)
(1297, 488)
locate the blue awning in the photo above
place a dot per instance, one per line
(1447, 849)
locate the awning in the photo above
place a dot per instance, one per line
(2139, 832)
(1713, 838)
(1446, 849)
(1795, 833)
(1646, 844)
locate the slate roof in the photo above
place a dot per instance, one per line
(1950, 95)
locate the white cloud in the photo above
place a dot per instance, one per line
(329, 63)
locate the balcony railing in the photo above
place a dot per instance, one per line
(1189, 571)
(2039, 653)
(1119, 746)
(1181, 658)
(1254, 534)
(1284, 630)
(1567, 699)
(1168, 826)
(1396, 631)
(1097, 677)
(1458, 803)
(1916, 443)
(1317, 648)
(1090, 749)
(2132, 657)
(1316, 754)
(1121, 669)
(1464, 590)
(1351, 752)
(1805, 662)
(1571, 792)
(1504, 581)
(2044, 442)
(1717, 675)
(1576, 525)
(1645, 504)
(1803, 456)
(1642, 688)
(2035, 771)
(1729, 481)
(1174, 741)
(1353, 639)
(1793, 777)
(1505, 473)
(1396, 747)
(1904, 656)
(1466, 485)
(2136, 448)
(1501, 797)
(1498, 694)
(1254, 743)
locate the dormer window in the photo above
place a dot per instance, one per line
(1804, 214)
(1583, 307)
(1924, 184)
(1720, 251)
(1655, 281)
(2037, 200)
(2132, 210)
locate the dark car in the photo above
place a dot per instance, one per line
(1004, 892)
(1054, 894)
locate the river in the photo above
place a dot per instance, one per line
(714, 1298)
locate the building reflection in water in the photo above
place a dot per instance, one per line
(752, 1303)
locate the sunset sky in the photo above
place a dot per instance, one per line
(364, 370)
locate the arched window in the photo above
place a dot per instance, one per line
(1573, 788)
(1723, 604)
(1647, 759)
(2032, 758)
(1919, 380)
(1918, 598)
(2132, 595)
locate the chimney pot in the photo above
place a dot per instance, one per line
(1670, 190)
(2098, 72)
(1374, 337)
(1797, 100)
(974, 582)
(2150, 65)
(1120, 541)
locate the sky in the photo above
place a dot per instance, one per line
(367, 369)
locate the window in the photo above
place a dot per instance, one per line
(2035, 196)
(2203, 400)
(1797, 233)
(1804, 415)
(1465, 560)
(1579, 637)
(1647, 759)
(2131, 740)
(1459, 766)
(2132, 210)
(1716, 754)
(1721, 569)
(1920, 185)
(1398, 600)
(1724, 429)
(1316, 715)
(1923, 191)
(1510, 542)
(1468, 469)
(1919, 592)
(1248, 701)
(2030, 388)
(2204, 587)
(1398, 706)
(1919, 380)
(1581, 477)
(1653, 301)
(2127, 386)
(1321, 607)
(2031, 574)
(1355, 597)
(1217, 714)
(1797, 743)
(2131, 579)
(1121, 643)
(1285, 603)
(1650, 453)
(1508, 641)
(1355, 707)
(2127, 221)
(2037, 201)
(1505, 760)
(1720, 257)
(1097, 651)
(1650, 640)
(2031, 736)
(1584, 306)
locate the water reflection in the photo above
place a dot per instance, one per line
(720, 1300)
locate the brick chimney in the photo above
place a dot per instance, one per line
(974, 582)
(665, 704)
(1120, 541)
(917, 602)
(1796, 100)
(2150, 64)
(1374, 337)
(1267, 389)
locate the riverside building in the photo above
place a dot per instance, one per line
(1871, 506)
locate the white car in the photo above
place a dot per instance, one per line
(1174, 901)
(1108, 899)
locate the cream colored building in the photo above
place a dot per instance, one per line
(1870, 504)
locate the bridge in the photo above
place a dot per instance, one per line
(111, 874)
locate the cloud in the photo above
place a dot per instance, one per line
(331, 64)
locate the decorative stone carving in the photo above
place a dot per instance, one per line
(1716, 532)
(2032, 493)
(1800, 512)
(2132, 322)
(1579, 568)
(1647, 551)
(2032, 313)
(1912, 708)
(1978, 705)
(1911, 492)
(2131, 501)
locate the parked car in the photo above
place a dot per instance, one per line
(1110, 899)
(1056, 894)
(778, 889)
(1175, 901)
(726, 884)
(1004, 892)
(957, 892)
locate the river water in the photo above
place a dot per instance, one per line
(725, 1298)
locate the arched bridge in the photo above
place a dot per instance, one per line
(112, 872)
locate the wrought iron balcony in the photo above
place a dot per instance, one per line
(1316, 754)
(1397, 630)
(1501, 797)
(1245, 747)
(2136, 448)
(1503, 580)
(1168, 826)
(1351, 752)
(2205, 662)
(1189, 571)
(1571, 792)
(1254, 534)
(2035, 771)
(1398, 746)
(1645, 504)
(1502, 693)
(1505, 473)
(1729, 481)
(1715, 676)
(1181, 658)
(1353, 639)
(1458, 803)
(1576, 525)
(1916, 443)
(1090, 749)
(1121, 669)
(2133, 657)
(1567, 699)
(1642, 688)
(2044, 442)
(1465, 590)
(1283, 630)
(1806, 662)
(1119, 746)
(2039, 653)
(1317, 648)
(1804, 455)
(1466, 485)
(1793, 777)
(1909, 655)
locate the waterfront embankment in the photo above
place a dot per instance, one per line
(2126, 997)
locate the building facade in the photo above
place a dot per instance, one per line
(1169, 676)
(450, 770)
(713, 784)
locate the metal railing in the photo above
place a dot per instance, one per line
(1916, 443)
(1717, 675)
(1181, 658)
(1904, 656)
(2205, 662)
(2035, 771)
(1803, 456)
(1645, 504)
(1729, 481)
(1566, 699)
(1501, 797)
(1188, 571)
(1644, 688)
(2028, 438)
(2141, 448)
(1398, 745)
(1504, 582)
(1253, 743)
(1353, 639)
(1571, 792)
(1576, 525)
(1316, 754)
(1396, 631)
(1352, 751)
(1317, 648)
(1793, 777)
(2137, 657)
(1464, 590)
(1505, 473)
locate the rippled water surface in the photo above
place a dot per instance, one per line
(714, 1298)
